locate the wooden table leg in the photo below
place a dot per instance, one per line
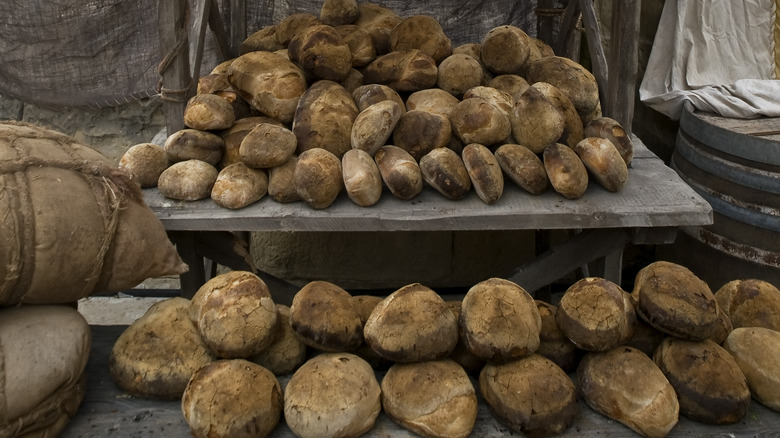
(186, 245)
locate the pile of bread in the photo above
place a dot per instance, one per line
(361, 100)
(670, 347)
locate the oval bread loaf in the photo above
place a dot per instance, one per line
(267, 145)
(374, 125)
(321, 52)
(505, 49)
(458, 73)
(567, 175)
(286, 353)
(574, 80)
(434, 100)
(522, 167)
(362, 180)
(360, 44)
(324, 118)
(145, 162)
(318, 177)
(188, 180)
(238, 185)
(208, 111)
(750, 303)
(536, 121)
(409, 70)
(369, 94)
(757, 352)
(194, 144)
(445, 171)
(484, 172)
(477, 120)
(400, 172)
(324, 317)
(281, 182)
(603, 162)
(419, 132)
(611, 129)
(421, 32)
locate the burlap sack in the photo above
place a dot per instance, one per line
(71, 222)
(43, 352)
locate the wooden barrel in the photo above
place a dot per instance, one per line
(734, 165)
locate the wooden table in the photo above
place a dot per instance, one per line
(108, 412)
(648, 210)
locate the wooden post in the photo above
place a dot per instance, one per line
(545, 20)
(595, 48)
(623, 59)
(176, 81)
(238, 32)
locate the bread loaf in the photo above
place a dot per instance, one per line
(286, 352)
(235, 314)
(625, 385)
(267, 145)
(379, 22)
(553, 343)
(434, 100)
(249, 396)
(499, 321)
(362, 180)
(400, 172)
(359, 42)
(338, 12)
(324, 118)
(421, 32)
(369, 94)
(188, 180)
(430, 398)
(294, 23)
(444, 170)
(412, 324)
(532, 395)
(536, 121)
(145, 162)
(565, 171)
(505, 49)
(408, 70)
(573, 131)
(321, 52)
(757, 354)
(238, 185)
(374, 125)
(477, 120)
(458, 73)
(419, 132)
(324, 317)
(574, 80)
(194, 144)
(318, 177)
(484, 172)
(208, 111)
(522, 167)
(610, 129)
(281, 182)
(603, 162)
(750, 303)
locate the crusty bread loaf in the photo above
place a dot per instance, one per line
(505, 49)
(286, 353)
(458, 73)
(523, 167)
(408, 70)
(318, 177)
(433, 100)
(374, 125)
(444, 170)
(757, 352)
(574, 80)
(400, 172)
(324, 118)
(603, 162)
(321, 52)
(565, 171)
(238, 185)
(421, 32)
(431, 398)
(208, 112)
(709, 384)
(188, 180)
(532, 395)
(628, 387)
(359, 42)
(536, 121)
(324, 317)
(484, 172)
(339, 12)
(362, 180)
(145, 162)
(194, 144)
(750, 303)
(267, 145)
(611, 129)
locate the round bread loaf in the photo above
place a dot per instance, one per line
(369, 94)
(374, 125)
(596, 314)
(234, 135)
(338, 12)
(208, 112)
(709, 384)
(194, 144)
(553, 343)
(477, 120)
(400, 172)
(512, 84)
(318, 177)
(499, 321)
(531, 395)
(408, 70)
(675, 301)
(324, 118)
(461, 354)
(290, 25)
(472, 49)
(434, 100)
(757, 353)
(276, 92)
(235, 314)
(565, 171)
(750, 303)
(262, 40)
(574, 80)
(573, 131)
(159, 352)
(281, 182)
(611, 129)
(627, 386)
(603, 162)
(443, 169)
(378, 21)
(267, 145)
(484, 172)
(419, 132)
(238, 185)
(332, 394)
(505, 49)
(354, 80)
(362, 180)
(359, 42)
(421, 32)
(724, 327)
(536, 121)
(458, 73)
(412, 324)
(430, 398)
(188, 180)
(646, 338)
(321, 52)
(249, 398)
(286, 353)
(522, 167)
(145, 162)
(324, 317)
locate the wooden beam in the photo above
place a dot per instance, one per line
(566, 31)
(200, 25)
(238, 31)
(595, 48)
(623, 58)
(217, 26)
(176, 81)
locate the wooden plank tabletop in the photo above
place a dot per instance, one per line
(107, 411)
(654, 197)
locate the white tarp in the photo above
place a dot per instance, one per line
(717, 54)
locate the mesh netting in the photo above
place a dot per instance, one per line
(69, 53)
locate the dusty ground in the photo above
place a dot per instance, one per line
(124, 308)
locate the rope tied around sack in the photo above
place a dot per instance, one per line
(111, 187)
